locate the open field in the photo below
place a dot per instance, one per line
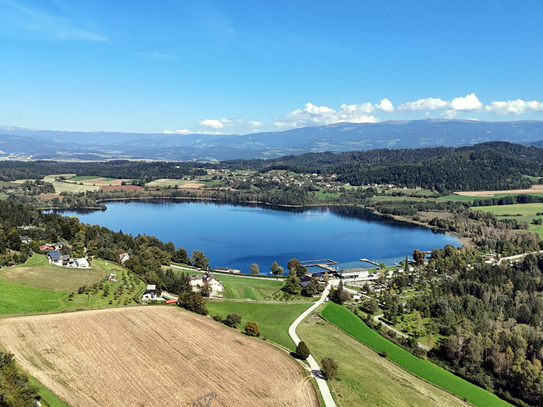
(273, 320)
(51, 277)
(253, 288)
(153, 356)
(98, 181)
(365, 378)
(529, 209)
(533, 190)
(164, 182)
(350, 323)
(27, 293)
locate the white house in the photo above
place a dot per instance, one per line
(54, 257)
(150, 293)
(353, 273)
(81, 263)
(124, 257)
(197, 281)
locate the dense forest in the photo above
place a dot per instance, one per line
(486, 166)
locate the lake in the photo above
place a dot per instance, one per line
(238, 235)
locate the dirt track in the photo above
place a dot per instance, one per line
(153, 356)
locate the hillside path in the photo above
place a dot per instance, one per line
(315, 369)
(377, 320)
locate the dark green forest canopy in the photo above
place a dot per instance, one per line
(486, 166)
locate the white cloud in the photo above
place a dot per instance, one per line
(386, 106)
(255, 124)
(425, 104)
(470, 103)
(515, 107)
(312, 115)
(215, 124)
(183, 132)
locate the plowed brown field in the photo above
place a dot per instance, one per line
(153, 356)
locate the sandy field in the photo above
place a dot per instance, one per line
(535, 189)
(153, 356)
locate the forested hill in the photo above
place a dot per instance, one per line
(486, 166)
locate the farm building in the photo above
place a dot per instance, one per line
(150, 293)
(197, 281)
(25, 239)
(124, 257)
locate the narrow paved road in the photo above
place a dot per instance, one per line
(315, 369)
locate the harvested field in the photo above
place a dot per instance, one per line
(100, 182)
(164, 182)
(50, 197)
(535, 189)
(153, 356)
(123, 188)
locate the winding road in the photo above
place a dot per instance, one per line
(315, 369)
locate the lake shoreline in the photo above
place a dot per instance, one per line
(463, 239)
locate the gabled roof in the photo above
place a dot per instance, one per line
(54, 255)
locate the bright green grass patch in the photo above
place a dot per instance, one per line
(351, 324)
(20, 299)
(454, 197)
(213, 183)
(87, 178)
(253, 288)
(46, 394)
(36, 260)
(273, 320)
(524, 209)
(321, 194)
(365, 378)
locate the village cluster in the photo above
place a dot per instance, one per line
(55, 256)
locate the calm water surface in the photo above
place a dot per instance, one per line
(236, 236)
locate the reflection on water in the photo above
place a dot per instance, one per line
(238, 235)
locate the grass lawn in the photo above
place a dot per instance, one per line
(36, 272)
(19, 299)
(47, 395)
(351, 324)
(273, 320)
(525, 209)
(321, 194)
(365, 378)
(253, 288)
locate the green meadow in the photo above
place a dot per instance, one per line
(351, 324)
(273, 320)
(253, 288)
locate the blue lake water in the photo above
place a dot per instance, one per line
(238, 235)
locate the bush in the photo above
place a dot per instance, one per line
(251, 329)
(217, 318)
(232, 320)
(302, 350)
(384, 354)
(329, 368)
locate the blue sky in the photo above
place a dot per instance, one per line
(244, 66)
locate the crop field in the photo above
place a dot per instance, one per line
(365, 378)
(163, 183)
(153, 356)
(273, 320)
(533, 190)
(253, 288)
(351, 324)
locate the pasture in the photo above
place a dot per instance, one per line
(153, 356)
(36, 272)
(351, 324)
(273, 320)
(246, 287)
(365, 378)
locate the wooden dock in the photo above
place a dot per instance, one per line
(319, 263)
(369, 261)
(326, 267)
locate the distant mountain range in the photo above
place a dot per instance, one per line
(63, 145)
